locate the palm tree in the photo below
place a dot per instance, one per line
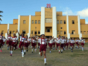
(1, 16)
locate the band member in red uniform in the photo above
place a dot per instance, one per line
(43, 47)
(50, 43)
(1, 42)
(9, 40)
(77, 43)
(26, 44)
(33, 41)
(29, 42)
(14, 42)
(22, 38)
(82, 43)
(67, 42)
(58, 40)
(72, 42)
(38, 42)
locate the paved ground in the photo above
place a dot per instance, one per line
(67, 58)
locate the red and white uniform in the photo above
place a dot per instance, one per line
(26, 44)
(58, 40)
(72, 42)
(39, 41)
(21, 41)
(50, 42)
(1, 40)
(68, 42)
(4, 40)
(14, 41)
(62, 42)
(77, 42)
(33, 41)
(9, 38)
(43, 43)
(29, 40)
(82, 42)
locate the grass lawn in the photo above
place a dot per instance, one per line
(67, 58)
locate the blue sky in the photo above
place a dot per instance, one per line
(12, 8)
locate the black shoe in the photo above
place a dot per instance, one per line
(31, 52)
(27, 50)
(61, 52)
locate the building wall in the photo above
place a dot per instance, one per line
(15, 21)
(22, 25)
(82, 21)
(3, 27)
(61, 18)
(35, 27)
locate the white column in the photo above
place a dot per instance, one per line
(29, 26)
(54, 24)
(42, 20)
(68, 34)
(18, 26)
(79, 31)
(7, 30)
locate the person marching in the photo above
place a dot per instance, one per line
(14, 42)
(9, 40)
(1, 41)
(43, 43)
(72, 42)
(38, 42)
(21, 44)
(33, 42)
(58, 40)
(77, 42)
(29, 42)
(50, 43)
(67, 43)
(62, 44)
(26, 44)
(82, 43)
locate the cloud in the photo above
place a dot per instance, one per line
(68, 11)
(86, 22)
(83, 13)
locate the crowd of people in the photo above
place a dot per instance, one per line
(41, 42)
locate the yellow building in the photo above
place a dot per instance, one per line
(49, 22)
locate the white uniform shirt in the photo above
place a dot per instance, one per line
(62, 41)
(33, 41)
(4, 40)
(43, 41)
(76, 40)
(13, 39)
(9, 38)
(68, 41)
(22, 39)
(58, 40)
(51, 41)
(29, 40)
(82, 41)
(72, 41)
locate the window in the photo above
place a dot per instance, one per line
(60, 32)
(38, 32)
(60, 21)
(24, 32)
(32, 21)
(31, 32)
(64, 32)
(38, 21)
(73, 32)
(24, 21)
(10, 32)
(64, 22)
(73, 22)
(57, 21)
(35, 21)
(48, 20)
(81, 31)
(48, 30)
(61, 27)
(35, 32)
(2, 31)
(57, 32)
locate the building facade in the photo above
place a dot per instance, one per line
(50, 22)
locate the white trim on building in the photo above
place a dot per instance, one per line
(79, 31)
(42, 31)
(29, 26)
(68, 34)
(54, 24)
(18, 25)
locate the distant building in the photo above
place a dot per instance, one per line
(49, 22)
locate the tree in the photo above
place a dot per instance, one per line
(1, 16)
